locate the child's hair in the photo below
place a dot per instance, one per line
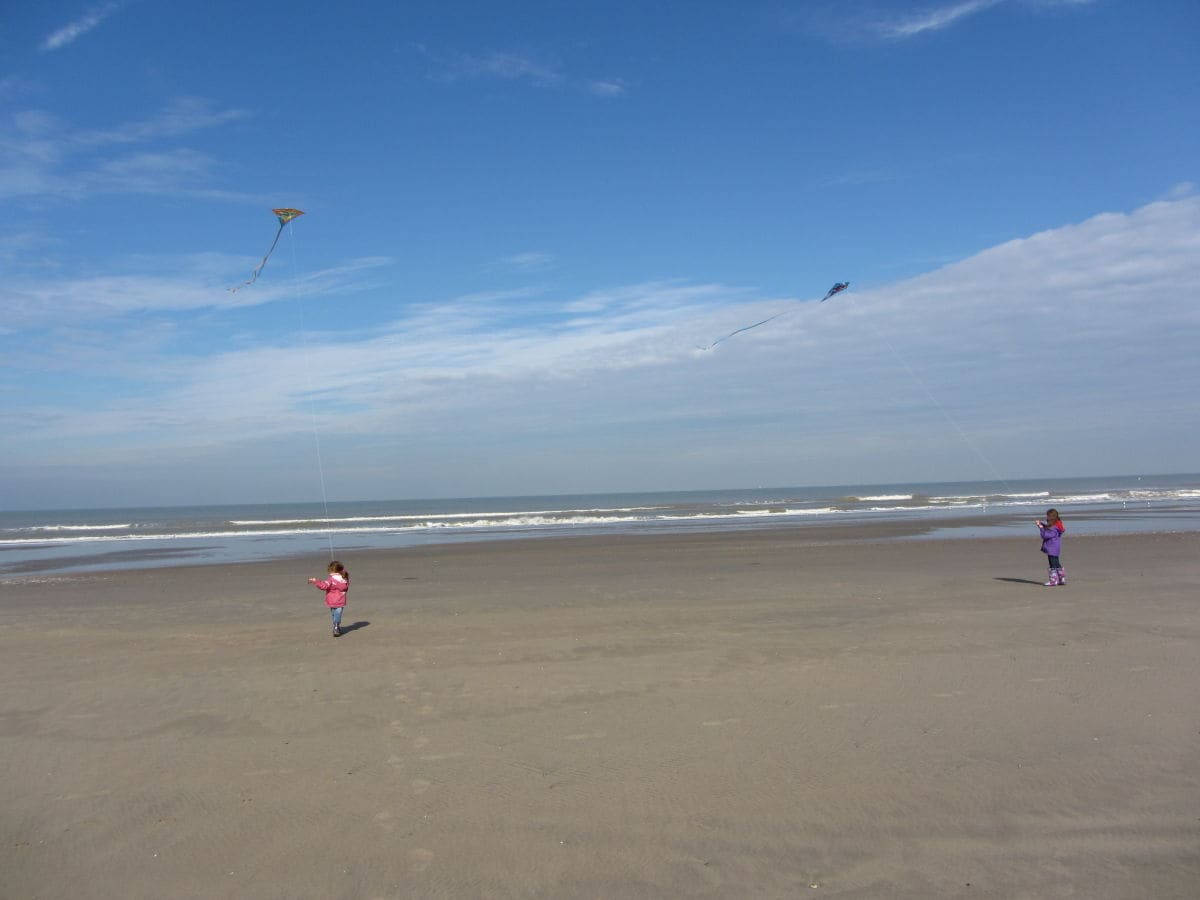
(336, 566)
(1051, 516)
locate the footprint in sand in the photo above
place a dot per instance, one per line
(421, 859)
(420, 785)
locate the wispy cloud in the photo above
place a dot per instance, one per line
(73, 31)
(521, 68)
(496, 64)
(530, 261)
(175, 284)
(933, 19)
(854, 21)
(182, 116)
(608, 87)
(22, 247)
(41, 157)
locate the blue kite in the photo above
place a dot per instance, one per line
(836, 289)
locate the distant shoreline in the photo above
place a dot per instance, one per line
(978, 528)
(156, 537)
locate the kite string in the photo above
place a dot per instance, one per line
(312, 403)
(934, 400)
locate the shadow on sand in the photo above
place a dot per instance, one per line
(1021, 581)
(353, 626)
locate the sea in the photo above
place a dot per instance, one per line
(91, 540)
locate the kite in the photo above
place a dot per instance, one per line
(284, 216)
(836, 289)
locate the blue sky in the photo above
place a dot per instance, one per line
(523, 219)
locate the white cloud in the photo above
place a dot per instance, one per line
(516, 67)
(41, 157)
(933, 19)
(608, 87)
(73, 31)
(200, 282)
(182, 116)
(1072, 350)
(530, 261)
(850, 21)
(20, 245)
(495, 64)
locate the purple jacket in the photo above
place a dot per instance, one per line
(1051, 539)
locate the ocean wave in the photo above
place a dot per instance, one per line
(176, 536)
(1164, 495)
(405, 523)
(415, 517)
(52, 528)
(541, 519)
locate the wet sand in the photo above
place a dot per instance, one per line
(775, 714)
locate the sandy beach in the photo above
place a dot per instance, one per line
(771, 714)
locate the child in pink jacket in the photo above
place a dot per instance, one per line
(336, 586)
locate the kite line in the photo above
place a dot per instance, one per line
(940, 408)
(837, 288)
(286, 215)
(308, 389)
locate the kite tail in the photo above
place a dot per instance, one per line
(747, 328)
(261, 265)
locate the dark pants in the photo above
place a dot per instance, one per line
(1054, 563)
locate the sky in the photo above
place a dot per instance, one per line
(524, 221)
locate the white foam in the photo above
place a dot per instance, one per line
(125, 525)
(425, 517)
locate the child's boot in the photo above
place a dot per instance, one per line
(1053, 580)
(1062, 576)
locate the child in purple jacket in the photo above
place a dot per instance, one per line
(1052, 531)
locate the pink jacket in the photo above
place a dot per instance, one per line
(335, 587)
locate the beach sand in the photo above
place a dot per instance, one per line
(769, 714)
